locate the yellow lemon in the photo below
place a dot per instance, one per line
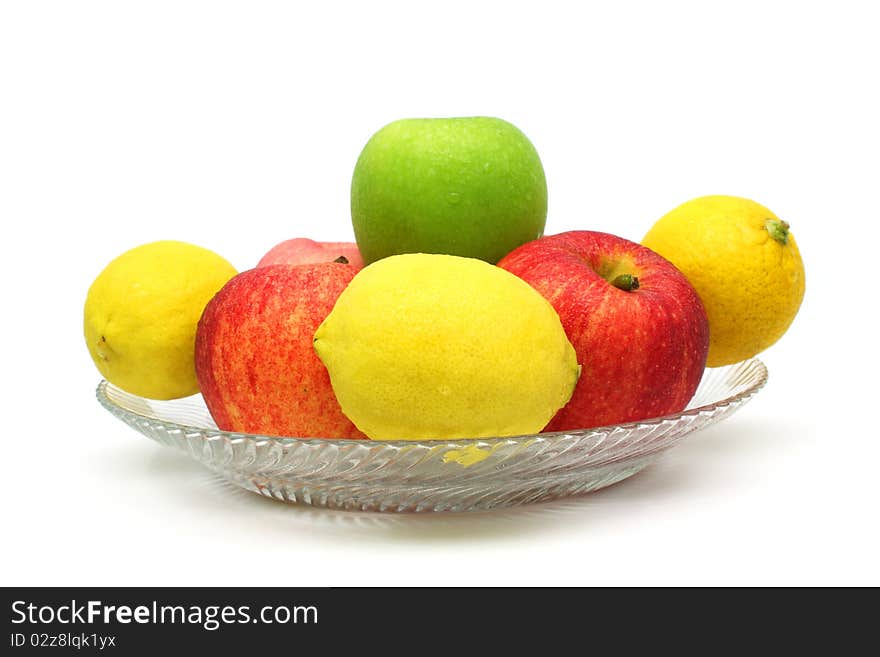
(141, 314)
(425, 346)
(744, 263)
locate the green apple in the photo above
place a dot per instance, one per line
(467, 186)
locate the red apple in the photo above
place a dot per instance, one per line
(636, 323)
(303, 251)
(255, 363)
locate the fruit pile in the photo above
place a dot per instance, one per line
(452, 316)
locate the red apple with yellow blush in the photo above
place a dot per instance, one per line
(637, 325)
(255, 363)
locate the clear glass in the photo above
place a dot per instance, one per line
(433, 475)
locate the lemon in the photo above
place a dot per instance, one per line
(744, 263)
(423, 346)
(141, 314)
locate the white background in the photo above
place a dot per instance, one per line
(237, 125)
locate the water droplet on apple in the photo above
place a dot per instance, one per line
(453, 198)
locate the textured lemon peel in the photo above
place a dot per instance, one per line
(745, 265)
(141, 312)
(409, 327)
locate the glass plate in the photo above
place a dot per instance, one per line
(431, 475)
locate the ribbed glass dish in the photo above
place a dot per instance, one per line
(433, 475)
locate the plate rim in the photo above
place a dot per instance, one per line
(213, 433)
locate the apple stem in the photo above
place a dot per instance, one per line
(626, 282)
(778, 230)
(341, 260)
